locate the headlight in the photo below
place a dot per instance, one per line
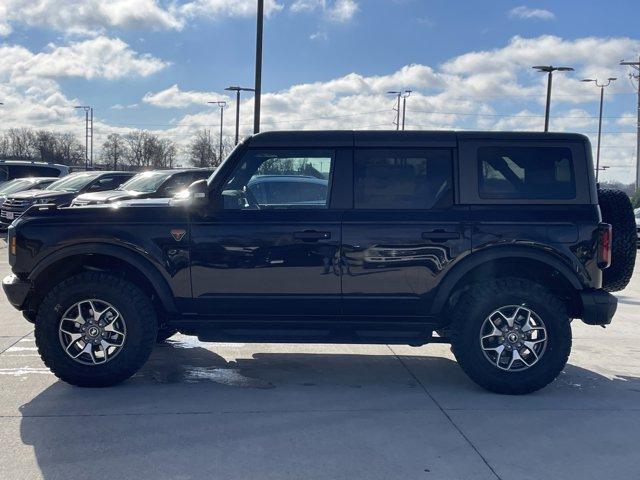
(44, 200)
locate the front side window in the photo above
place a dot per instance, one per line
(280, 180)
(526, 173)
(403, 179)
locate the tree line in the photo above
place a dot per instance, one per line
(135, 150)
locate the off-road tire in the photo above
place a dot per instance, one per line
(477, 303)
(616, 210)
(127, 298)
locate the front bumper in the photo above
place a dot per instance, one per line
(16, 290)
(598, 307)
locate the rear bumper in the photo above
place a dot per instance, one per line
(598, 307)
(16, 290)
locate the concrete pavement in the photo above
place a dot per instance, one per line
(232, 411)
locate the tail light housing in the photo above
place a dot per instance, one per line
(605, 238)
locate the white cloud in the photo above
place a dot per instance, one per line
(93, 17)
(319, 36)
(100, 57)
(340, 11)
(526, 13)
(220, 8)
(173, 97)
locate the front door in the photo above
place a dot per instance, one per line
(403, 232)
(272, 246)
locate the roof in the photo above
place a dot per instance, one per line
(39, 163)
(393, 138)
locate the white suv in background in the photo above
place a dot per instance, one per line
(12, 169)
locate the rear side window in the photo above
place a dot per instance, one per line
(526, 173)
(21, 171)
(403, 179)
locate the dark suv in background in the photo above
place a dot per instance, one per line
(152, 184)
(60, 192)
(492, 242)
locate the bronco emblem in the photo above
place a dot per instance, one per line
(178, 233)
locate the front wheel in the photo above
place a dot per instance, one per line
(95, 329)
(511, 336)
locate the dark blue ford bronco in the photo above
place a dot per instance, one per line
(492, 242)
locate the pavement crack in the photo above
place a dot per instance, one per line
(444, 412)
(14, 343)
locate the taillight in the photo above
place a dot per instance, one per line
(604, 245)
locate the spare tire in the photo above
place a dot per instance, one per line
(616, 210)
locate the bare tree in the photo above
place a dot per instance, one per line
(21, 143)
(114, 151)
(135, 155)
(201, 150)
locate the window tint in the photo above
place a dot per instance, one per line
(280, 180)
(110, 182)
(403, 179)
(526, 173)
(21, 171)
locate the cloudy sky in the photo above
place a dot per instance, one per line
(153, 64)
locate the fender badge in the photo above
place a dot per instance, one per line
(178, 233)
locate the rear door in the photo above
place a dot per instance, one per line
(404, 230)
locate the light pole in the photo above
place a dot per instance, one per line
(399, 96)
(258, 84)
(88, 120)
(636, 75)
(405, 95)
(222, 104)
(601, 87)
(238, 90)
(549, 70)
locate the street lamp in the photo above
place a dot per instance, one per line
(400, 95)
(405, 95)
(601, 86)
(88, 119)
(258, 81)
(549, 70)
(238, 90)
(222, 104)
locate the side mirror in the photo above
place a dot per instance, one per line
(196, 193)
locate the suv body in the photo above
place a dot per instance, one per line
(22, 184)
(151, 184)
(12, 169)
(414, 232)
(61, 192)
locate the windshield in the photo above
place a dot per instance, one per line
(73, 183)
(15, 186)
(145, 182)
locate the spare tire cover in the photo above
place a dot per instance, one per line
(616, 210)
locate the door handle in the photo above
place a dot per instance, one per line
(311, 236)
(440, 235)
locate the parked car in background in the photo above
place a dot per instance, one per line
(153, 184)
(21, 184)
(12, 169)
(61, 192)
(276, 191)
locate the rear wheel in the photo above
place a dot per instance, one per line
(95, 329)
(511, 336)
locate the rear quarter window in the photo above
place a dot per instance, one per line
(526, 173)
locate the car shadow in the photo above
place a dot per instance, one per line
(188, 398)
